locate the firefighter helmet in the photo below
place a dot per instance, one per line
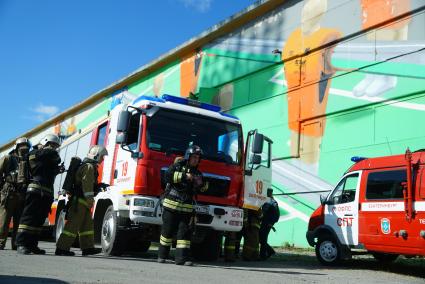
(21, 142)
(193, 150)
(50, 138)
(96, 152)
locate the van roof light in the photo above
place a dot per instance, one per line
(357, 159)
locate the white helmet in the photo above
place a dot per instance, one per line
(50, 138)
(22, 141)
(96, 152)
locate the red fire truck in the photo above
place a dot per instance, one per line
(143, 138)
(378, 207)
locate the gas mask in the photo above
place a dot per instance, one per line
(23, 151)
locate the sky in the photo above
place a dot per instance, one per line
(56, 53)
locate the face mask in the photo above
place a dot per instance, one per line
(22, 151)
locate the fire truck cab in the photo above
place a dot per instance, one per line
(378, 207)
(143, 138)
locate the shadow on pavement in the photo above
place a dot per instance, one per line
(24, 279)
(403, 266)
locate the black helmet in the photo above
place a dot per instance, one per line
(193, 149)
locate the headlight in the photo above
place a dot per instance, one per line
(144, 203)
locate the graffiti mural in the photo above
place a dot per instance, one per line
(326, 80)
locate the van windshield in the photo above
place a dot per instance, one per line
(172, 131)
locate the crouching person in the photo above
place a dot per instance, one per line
(79, 219)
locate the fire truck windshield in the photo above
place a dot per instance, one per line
(173, 131)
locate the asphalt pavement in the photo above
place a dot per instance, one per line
(288, 266)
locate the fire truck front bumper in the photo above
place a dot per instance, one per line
(148, 210)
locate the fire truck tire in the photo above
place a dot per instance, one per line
(111, 238)
(384, 257)
(59, 224)
(209, 248)
(328, 251)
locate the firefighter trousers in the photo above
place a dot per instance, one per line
(231, 243)
(37, 207)
(265, 249)
(251, 236)
(175, 222)
(11, 206)
(79, 222)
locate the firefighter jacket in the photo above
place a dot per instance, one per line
(180, 192)
(14, 173)
(44, 166)
(86, 182)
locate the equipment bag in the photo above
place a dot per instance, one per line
(69, 183)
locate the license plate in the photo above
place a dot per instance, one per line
(202, 209)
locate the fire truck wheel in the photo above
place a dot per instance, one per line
(60, 224)
(385, 257)
(111, 238)
(328, 251)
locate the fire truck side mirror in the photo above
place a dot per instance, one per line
(256, 159)
(121, 138)
(123, 121)
(257, 145)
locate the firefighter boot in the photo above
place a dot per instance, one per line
(64, 252)
(23, 250)
(37, 250)
(91, 251)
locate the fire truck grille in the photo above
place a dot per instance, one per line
(204, 219)
(218, 186)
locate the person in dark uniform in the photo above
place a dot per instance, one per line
(183, 180)
(14, 177)
(271, 215)
(44, 165)
(79, 221)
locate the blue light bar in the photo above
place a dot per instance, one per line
(229, 115)
(148, 98)
(357, 159)
(189, 102)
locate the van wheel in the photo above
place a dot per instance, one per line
(384, 257)
(111, 238)
(328, 252)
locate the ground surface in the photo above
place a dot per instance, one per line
(288, 266)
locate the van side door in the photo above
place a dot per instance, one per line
(341, 209)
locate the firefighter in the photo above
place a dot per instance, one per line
(44, 165)
(79, 219)
(251, 227)
(271, 215)
(14, 177)
(183, 180)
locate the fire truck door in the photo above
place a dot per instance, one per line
(125, 167)
(258, 173)
(341, 209)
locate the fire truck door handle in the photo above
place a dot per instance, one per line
(348, 215)
(115, 174)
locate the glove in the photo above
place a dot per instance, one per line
(61, 167)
